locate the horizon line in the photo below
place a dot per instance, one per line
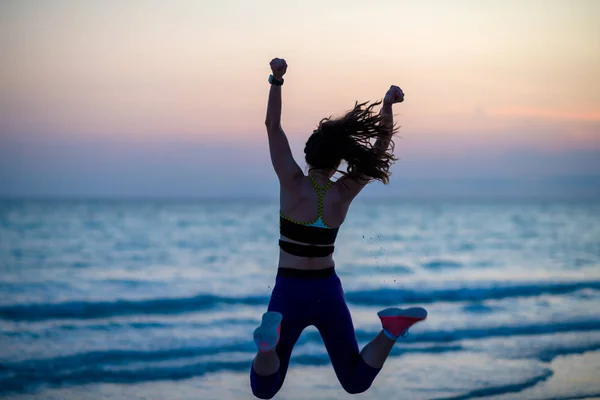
(256, 197)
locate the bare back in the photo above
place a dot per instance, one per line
(301, 203)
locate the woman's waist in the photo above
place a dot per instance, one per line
(298, 284)
(306, 273)
(304, 262)
(283, 238)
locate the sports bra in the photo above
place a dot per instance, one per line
(309, 233)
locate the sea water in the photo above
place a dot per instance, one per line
(149, 299)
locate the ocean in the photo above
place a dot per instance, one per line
(158, 299)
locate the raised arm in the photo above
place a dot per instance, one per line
(387, 120)
(352, 185)
(285, 166)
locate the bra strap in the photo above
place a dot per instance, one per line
(321, 190)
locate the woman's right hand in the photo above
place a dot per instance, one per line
(279, 67)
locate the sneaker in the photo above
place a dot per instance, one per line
(396, 321)
(266, 336)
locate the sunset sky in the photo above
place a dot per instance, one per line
(167, 98)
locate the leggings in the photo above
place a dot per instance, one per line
(316, 298)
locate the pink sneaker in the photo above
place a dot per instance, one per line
(396, 321)
(266, 336)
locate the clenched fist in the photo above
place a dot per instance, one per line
(279, 67)
(393, 95)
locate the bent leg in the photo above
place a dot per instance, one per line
(337, 330)
(292, 324)
(377, 350)
(266, 338)
(395, 322)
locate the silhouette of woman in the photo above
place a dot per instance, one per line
(307, 290)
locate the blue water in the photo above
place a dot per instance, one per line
(158, 299)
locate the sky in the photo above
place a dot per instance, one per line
(167, 99)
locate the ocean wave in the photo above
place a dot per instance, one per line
(103, 309)
(131, 367)
(550, 354)
(504, 389)
(442, 264)
(478, 308)
(389, 296)
(104, 367)
(212, 345)
(484, 332)
(370, 297)
(425, 342)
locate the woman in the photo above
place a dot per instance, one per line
(307, 290)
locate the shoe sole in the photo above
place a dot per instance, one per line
(417, 313)
(267, 331)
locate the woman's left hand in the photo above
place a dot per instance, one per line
(393, 95)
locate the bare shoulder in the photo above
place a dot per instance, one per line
(298, 190)
(348, 187)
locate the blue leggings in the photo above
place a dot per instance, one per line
(314, 300)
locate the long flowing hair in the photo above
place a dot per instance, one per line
(350, 138)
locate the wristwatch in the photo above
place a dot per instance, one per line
(274, 81)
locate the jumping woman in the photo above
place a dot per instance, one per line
(307, 290)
